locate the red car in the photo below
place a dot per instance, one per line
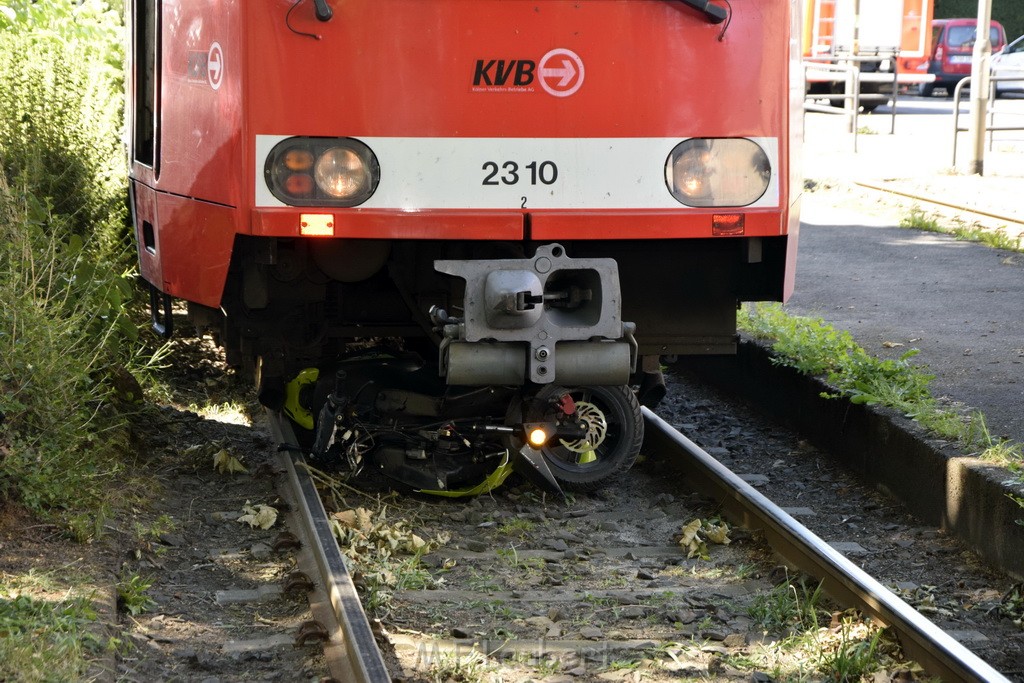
(952, 50)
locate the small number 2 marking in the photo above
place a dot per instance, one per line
(523, 205)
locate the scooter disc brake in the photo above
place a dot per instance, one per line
(596, 425)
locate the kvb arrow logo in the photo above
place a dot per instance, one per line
(215, 66)
(561, 72)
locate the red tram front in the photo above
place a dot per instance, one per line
(542, 198)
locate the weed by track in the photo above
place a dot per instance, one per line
(813, 347)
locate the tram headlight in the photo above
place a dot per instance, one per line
(342, 173)
(322, 171)
(717, 172)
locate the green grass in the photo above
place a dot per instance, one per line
(42, 640)
(67, 343)
(854, 656)
(851, 649)
(811, 346)
(517, 527)
(789, 605)
(918, 219)
(458, 667)
(49, 626)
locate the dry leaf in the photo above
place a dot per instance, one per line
(258, 516)
(692, 542)
(689, 532)
(696, 534)
(359, 518)
(225, 463)
(415, 543)
(718, 533)
(891, 345)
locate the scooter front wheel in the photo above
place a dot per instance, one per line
(612, 433)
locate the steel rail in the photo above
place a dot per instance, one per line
(361, 661)
(939, 202)
(930, 646)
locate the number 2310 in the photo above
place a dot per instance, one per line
(510, 173)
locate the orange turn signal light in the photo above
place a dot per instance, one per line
(298, 159)
(537, 437)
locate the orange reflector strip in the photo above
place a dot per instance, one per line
(727, 224)
(316, 224)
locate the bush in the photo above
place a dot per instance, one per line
(61, 332)
(61, 84)
(1009, 13)
(64, 330)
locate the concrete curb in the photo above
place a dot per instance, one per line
(961, 495)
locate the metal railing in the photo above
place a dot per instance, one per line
(846, 70)
(991, 127)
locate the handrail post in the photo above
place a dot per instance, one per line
(895, 94)
(956, 114)
(850, 102)
(854, 118)
(980, 72)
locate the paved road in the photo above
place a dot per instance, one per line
(961, 304)
(922, 145)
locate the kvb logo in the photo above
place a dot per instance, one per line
(560, 73)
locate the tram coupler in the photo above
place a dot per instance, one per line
(541, 320)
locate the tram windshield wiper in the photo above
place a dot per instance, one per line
(323, 10)
(714, 13)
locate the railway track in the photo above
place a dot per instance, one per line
(930, 199)
(349, 645)
(550, 605)
(936, 651)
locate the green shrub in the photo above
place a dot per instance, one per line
(1010, 13)
(62, 327)
(61, 84)
(65, 335)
